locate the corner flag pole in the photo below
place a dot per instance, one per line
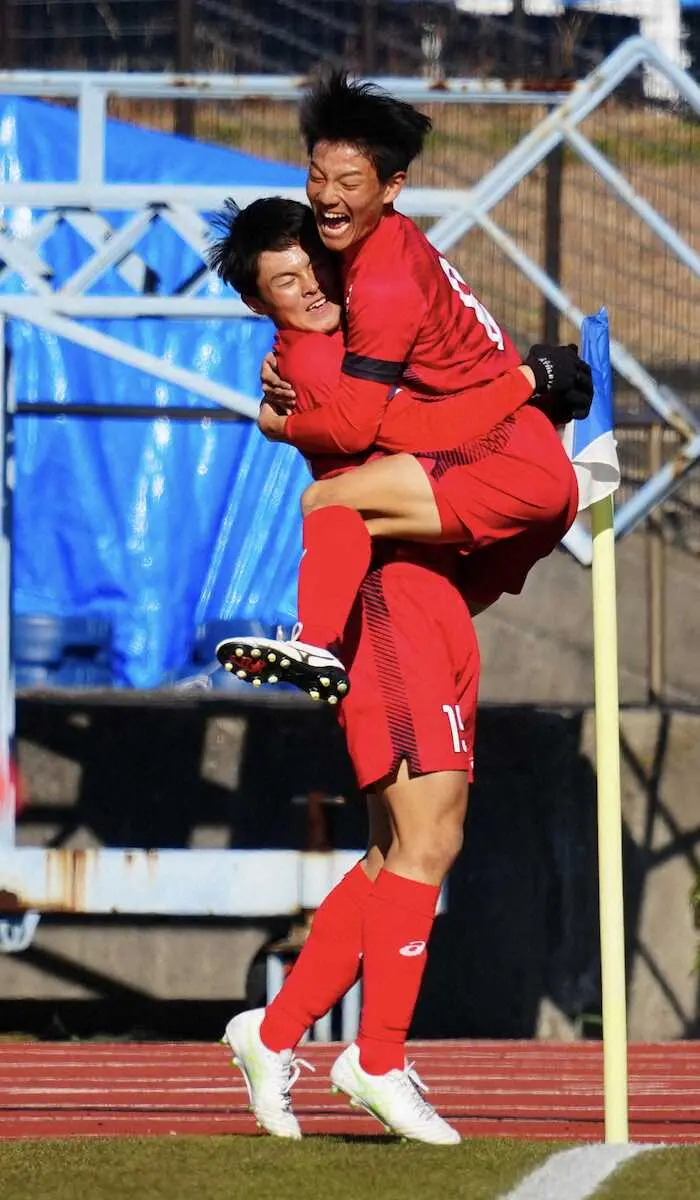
(595, 348)
(610, 881)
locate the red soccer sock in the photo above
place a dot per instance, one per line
(399, 916)
(327, 966)
(337, 552)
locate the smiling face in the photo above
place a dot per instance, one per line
(296, 292)
(346, 194)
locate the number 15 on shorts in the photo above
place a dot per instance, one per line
(454, 717)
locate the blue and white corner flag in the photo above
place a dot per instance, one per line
(591, 444)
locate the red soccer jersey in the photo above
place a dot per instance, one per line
(412, 321)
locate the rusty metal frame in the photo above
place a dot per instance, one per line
(197, 883)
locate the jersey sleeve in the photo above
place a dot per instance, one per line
(411, 425)
(382, 324)
(311, 362)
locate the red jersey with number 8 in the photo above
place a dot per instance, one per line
(412, 318)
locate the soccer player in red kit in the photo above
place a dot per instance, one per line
(411, 742)
(411, 322)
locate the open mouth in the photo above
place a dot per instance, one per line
(333, 223)
(317, 305)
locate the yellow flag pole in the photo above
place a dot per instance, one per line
(610, 881)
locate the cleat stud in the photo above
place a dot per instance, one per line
(255, 652)
(257, 682)
(273, 679)
(342, 688)
(241, 674)
(314, 694)
(284, 662)
(236, 1062)
(324, 681)
(354, 1103)
(228, 666)
(272, 657)
(238, 652)
(334, 1089)
(332, 699)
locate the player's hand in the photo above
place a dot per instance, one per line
(275, 390)
(271, 422)
(563, 382)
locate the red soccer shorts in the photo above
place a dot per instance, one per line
(413, 660)
(511, 495)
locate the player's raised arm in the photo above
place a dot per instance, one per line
(412, 425)
(553, 378)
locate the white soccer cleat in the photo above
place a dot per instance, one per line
(269, 1076)
(395, 1099)
(313, 669)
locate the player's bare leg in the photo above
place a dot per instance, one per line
(380, 835)
(393, 494)
(427, 814)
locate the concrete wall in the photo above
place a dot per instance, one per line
(537, 648)
(516, 955)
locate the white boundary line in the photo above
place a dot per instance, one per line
(575, 1174)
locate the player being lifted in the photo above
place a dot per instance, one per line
(412, 324)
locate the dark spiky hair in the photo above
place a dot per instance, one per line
(389, 131)
(272, 223)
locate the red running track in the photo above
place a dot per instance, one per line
(487, 1089)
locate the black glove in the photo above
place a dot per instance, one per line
(554, 367)
(563, 382)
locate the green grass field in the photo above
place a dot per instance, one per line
(242, 1168)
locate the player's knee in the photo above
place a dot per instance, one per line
(434, 856)
(449, 846)
(310, 499)
(317, 495)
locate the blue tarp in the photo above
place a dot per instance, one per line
(158, 524)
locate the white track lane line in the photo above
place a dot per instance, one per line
(575, 1174)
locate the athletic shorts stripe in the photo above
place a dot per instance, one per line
(494, 442)
(402, 731)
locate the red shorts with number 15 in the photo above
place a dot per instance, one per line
(413, 662)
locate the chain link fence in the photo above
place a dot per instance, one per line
(406, 37)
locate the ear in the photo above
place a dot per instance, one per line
(256, 305)
(393, 186)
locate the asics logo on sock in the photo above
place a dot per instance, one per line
(412, 949)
